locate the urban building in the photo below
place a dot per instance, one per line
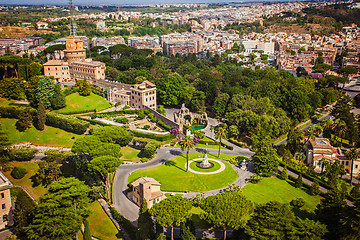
(148, 189)
(6, 218)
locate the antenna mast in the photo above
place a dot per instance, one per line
(72, 22)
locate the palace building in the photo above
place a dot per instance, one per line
(75, 65)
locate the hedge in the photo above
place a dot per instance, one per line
(69, 112)
(233, 141)
(164, 125)
(153, 136)
(22, 154)
(222, 144)
(66, 122)
(117, 112)
(13, 112)
(94, 122)
(122, 221)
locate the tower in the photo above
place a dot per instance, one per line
(72, 22)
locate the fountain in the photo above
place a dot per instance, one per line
(205, 162)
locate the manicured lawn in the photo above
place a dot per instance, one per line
(26, 181)
(75, 102)
(50, 136)
(130, 154)
(194, 166)
(100, 224)
(269, 189)
(174, 178)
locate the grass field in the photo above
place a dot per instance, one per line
(174, 178)
(100, 224)
(26, 181)
(50, 136)
(194, 166)
(130, 154)
(269, 189)
(76, 103)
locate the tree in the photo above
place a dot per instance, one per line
(353, 155)
(60, 211)
(284, 174)
(340, 127)
(226, 210)
(150, 148)
(331, 211)
(87, 231)
(300, 71)
(84, 87)
(85, 144)
(306, 229)
(171, 211)
(113, 134)
(25, 120)
(12, 88)
(23, 210)
(186, 145)
(44, 91)
(220, 133)
(299, 182)
(314, 188)
(185, 233)
(58, 99)
(265, 160)
(145, 223)
(41, 116)
(271, 220)
(105, 165)
(300, 157)
(220, 103)
(170, 89)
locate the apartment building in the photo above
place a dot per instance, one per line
(6, 218)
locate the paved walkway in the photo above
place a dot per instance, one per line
(222, 167)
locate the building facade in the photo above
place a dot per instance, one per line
(148, 189)
(6, 218)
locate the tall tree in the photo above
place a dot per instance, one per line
(145, 223)
(353, 155)
(23, 211)
(266, 160)
(45, 91)
(226, 210)
(24, 121)
(60, 211)
(220, 133)
(41, 116)
(113, 134)
(84, 87)
(105, 165)
(58, 99)
(271, 220)
(171, 211)
(186, 145)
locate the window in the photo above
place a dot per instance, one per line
(356, 166)
(2, 195)
(347, 163)
(5, 218)
(3, 206)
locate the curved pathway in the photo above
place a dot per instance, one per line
(128, 209)
(222, 167)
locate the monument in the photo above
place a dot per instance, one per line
(205, 162)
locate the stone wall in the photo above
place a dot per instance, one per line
(163, 118)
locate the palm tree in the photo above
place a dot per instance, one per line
(339, 126)
(300, 157)
(352, 154)
(322, 163)
(310, 134)
(326, 125)
(186, 145)
(220, 133)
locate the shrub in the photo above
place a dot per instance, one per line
(255, 178)
(126, 107)
(146, 127)
(298, 202)
(150, 148)
(122, 120)
(22, 154)
(141, 114)
(164, 125)
(144, 160)
(314, 188)
(284, 174)
(18, 172)
(66, 122)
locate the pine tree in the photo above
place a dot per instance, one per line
(299, 182)
(87, 232)
(45, 91)
(24, 121)
(41, 115)
(58, 99)
(145, 224)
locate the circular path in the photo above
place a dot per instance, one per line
(222, 166)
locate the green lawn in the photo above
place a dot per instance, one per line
(200, 146)
(26, 181)
(76, 103)
(50, 136)
(100, 224)
(194, 166)
(130, 154)
(269, 189)
(174, 178)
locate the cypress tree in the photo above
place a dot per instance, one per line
(314, 188)
(284, 174)
(145, 223)
(87, 232)
(299, 181)
(41, 115)
(24, 121)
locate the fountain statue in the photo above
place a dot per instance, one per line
(205, 162)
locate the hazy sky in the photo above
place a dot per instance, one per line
(90, 2)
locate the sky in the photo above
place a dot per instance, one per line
(115, 2)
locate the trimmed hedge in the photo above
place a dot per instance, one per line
(164, 125)
(233, 141)
(66, 122)
(69, 112)
(14, 112)
(122, 221)
(18, 172)
(94, 122)
(22, 154)
(117, 112)
(160, 138)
